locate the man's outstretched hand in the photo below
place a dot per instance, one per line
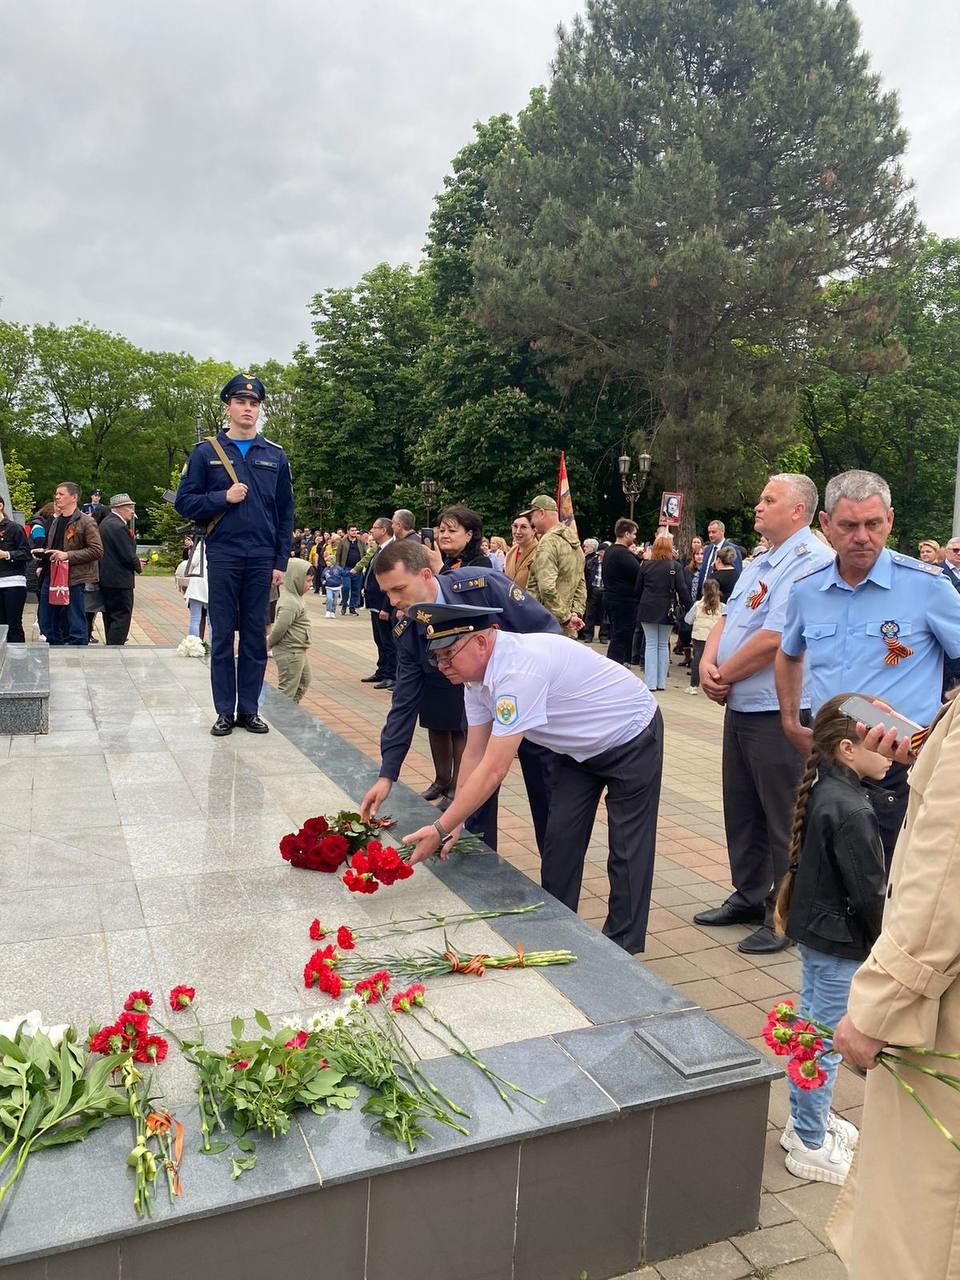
(371, 802)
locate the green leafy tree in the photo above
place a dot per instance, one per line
(676, 196)
(18, 482)
(902, 424)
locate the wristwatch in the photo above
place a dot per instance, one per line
(444, 835)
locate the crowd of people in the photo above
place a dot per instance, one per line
(493, 649)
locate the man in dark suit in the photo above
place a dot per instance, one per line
(716, 538)
(120, 562)
(375, 599)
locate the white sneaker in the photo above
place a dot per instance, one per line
(329, 615)
(693, 689)
(829, 1163)
(847, 1132)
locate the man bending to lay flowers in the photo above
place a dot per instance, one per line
(603, 722)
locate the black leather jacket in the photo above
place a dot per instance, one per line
(839, 892)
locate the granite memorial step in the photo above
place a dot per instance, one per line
(24, 687)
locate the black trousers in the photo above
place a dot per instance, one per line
(761, 773)
(889, 799)
(631, 775)
(623, 616)
(536, 765)
(117, 613)
(386, 646)
(12, 600)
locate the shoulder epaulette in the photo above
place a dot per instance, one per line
(908, 562)
(272, 443)
(470, 584)
(817, 568)
(401, 626)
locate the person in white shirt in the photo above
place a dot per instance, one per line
(604, 725)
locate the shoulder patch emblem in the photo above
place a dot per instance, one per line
(517, 595)
(800, 549)
(506, 709)
(817, 568)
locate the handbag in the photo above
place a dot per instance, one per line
(58, 584)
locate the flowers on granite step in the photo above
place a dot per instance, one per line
(372, 988)
(138, 1002)
(345, 938)
(182, 997)
(317, 931)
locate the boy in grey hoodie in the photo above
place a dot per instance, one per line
(290, 635)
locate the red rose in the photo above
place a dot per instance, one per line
(315, 827)
(290, 848)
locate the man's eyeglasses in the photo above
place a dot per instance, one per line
(445, 657)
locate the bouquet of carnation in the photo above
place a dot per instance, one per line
(805, 1041)
(193, 647)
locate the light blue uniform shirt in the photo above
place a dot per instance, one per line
(758, 602)
(845, 631)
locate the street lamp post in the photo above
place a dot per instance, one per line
(320, 502)
(429, 489)
(633, 485)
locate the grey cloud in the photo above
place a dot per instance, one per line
(190, 174)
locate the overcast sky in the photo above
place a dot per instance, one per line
(190, 172)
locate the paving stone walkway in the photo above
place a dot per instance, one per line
(691, 872)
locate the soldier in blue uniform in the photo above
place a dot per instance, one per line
(237, 484)
(871, 620)
(404, 573)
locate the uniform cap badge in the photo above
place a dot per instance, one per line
(890, 631)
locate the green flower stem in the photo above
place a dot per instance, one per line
(414, 1069)
(437, 921)
(942, 1076)
(925, 1053)
(909, 1089)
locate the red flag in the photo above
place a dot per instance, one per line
(564, 501)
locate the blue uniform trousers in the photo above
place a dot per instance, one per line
(239, 590)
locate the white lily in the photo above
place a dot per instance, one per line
(31, 1023)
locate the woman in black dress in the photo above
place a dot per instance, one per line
(459, 532)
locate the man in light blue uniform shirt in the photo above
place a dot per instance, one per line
(873, 622)
(761, 767)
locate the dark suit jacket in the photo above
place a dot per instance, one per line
(374, 597)
(120, 560)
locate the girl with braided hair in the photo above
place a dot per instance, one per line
(830, 902)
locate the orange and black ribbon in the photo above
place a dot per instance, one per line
(891, 638)
(756, 599)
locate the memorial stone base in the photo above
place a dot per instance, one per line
(140, 852)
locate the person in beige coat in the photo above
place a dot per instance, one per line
(898, 1216)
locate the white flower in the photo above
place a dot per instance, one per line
(31, 1024)
(292, 1024)
(191, 647)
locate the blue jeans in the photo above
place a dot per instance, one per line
(333, 595)
(826, 988)
(350, 587)
(196, 608)
(64, 624)
(657, 659)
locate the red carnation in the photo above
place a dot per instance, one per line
(317, 931)
(372, 988)
(138, 1002)
(330, 982)
(299, 1041)
(133, 1026)
(345, 938)
(416, 992)
(182, 998)
(806, 1073)
(779, 1038)
(806, 1044)
(241, 1064)
(153, 1049)
(322, 961)
(360, 863)
(109, 1039)
(360, 883)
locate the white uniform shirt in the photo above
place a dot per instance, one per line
(559, 694)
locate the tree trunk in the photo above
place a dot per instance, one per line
(687, 485)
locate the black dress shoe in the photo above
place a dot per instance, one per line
(762, 942)
(433, 792)
(354, 614)
(726, 914)
(370, 679)
(253, 724)
(385, 684)
(223, 726)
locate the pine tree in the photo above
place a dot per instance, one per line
(675, 200)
